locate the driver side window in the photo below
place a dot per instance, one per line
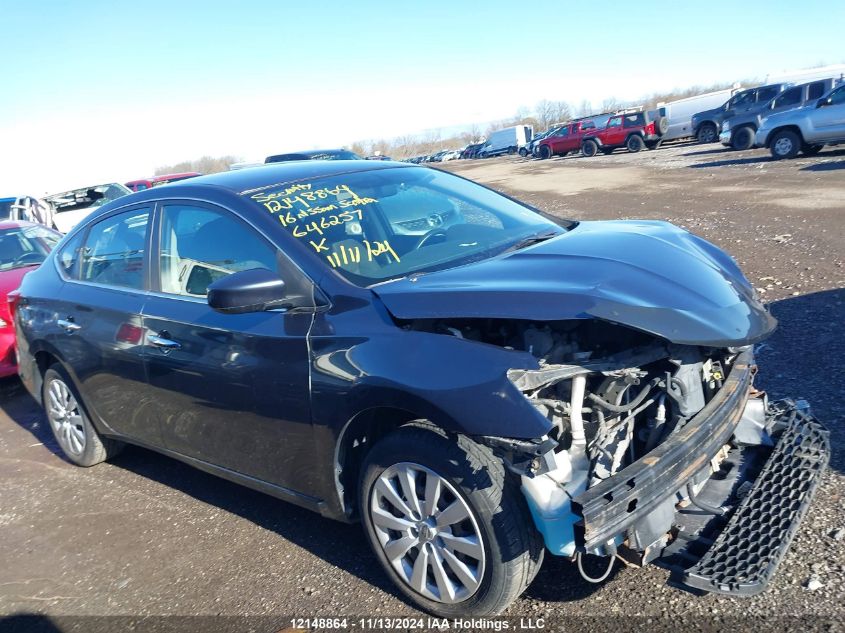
(837, 97)
(200, 245)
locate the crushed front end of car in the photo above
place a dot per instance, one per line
(668, 453)
(658, 448)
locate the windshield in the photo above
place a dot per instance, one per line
(382, 224)
(25, 246)
(88, 197)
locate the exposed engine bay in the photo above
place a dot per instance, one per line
(612, 394)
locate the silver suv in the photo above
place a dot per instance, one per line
(805, 129)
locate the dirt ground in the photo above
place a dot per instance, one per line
(148, 536)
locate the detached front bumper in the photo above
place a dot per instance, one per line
(766, 491)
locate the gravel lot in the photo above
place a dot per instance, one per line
(146, 535)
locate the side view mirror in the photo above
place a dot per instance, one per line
(823, 102)
(253, 290)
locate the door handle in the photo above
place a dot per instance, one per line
(162, 341)
(68, 325)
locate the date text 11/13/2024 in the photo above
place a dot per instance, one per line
(418, 623)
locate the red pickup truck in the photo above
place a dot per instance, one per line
(634, 130)
(568, 138)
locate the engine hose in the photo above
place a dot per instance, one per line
(624, 408)
(601, 578)
(703, 506)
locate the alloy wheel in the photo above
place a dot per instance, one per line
(66, 418)
(428, 533)
(783, 146)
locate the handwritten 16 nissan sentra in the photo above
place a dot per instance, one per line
(475, 383)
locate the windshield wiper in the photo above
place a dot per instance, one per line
(531, 240)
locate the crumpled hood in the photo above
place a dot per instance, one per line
(650, 276)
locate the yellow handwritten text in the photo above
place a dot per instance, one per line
(345, 255)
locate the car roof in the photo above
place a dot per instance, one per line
(15, 224)
(254, 178)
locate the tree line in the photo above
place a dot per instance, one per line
(542, 116)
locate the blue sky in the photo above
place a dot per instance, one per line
(110, 90)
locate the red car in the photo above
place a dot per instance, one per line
(634, 130)
(568, 138)
(149, 183)
(23, 246)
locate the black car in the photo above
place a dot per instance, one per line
(399, 345)
(314, 154)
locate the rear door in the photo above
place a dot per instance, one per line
(99, 319)
(230, 389)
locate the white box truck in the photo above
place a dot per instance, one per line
(506, 141)
(679, 113)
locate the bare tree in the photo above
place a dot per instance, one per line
(560, 111)
(586, 108)
(203, 165)
(611, 104)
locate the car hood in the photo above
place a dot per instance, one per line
(650, 276)
(785, 115)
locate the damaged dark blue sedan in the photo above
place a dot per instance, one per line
(401, 346)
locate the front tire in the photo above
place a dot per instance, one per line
(707, 133)
(785, 144)
(74, 433)
(743, 138)
(523, 152)
(545, 152)
(448, 523)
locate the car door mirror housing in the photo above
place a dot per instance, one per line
(824, 101)
(253, 290)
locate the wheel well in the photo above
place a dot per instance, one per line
(637, 133)
(778, 130)
(43, 360)
(356, 439)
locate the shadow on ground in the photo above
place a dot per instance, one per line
(803, 359)
(832, 166)
(733, 161)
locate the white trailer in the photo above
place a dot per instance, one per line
(506, 141)
(806, 75)
(679, 113)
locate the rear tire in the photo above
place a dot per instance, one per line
(785, 144)
(545, 152)
(589, 148)
(76, 436)
(511, 151)
(421, 473)
(743, 138)
(635, 143)
(707, 133)
(811, 150)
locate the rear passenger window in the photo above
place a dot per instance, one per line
(816, 90)
(766, 94)
(68, 257)
(201, 245)
(114, 250)
(634, 120)
(790, 97)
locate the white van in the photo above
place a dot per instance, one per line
(506, 141)
(679, 113)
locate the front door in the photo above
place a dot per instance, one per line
(614, 134)
(231, 389)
